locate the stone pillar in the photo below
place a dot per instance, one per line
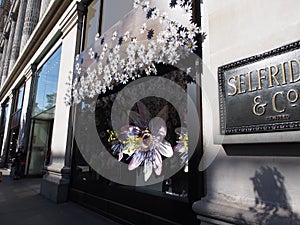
(9, 47)
(31, 19)
(3, 55)
(55, 183)
(18, 34)
(44, 7)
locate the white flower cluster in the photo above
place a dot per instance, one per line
(117, 65)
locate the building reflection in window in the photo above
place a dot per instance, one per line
(43, 114)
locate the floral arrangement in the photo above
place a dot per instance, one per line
(122, 57)
(119, 57)
(182, 145)
(144, 141)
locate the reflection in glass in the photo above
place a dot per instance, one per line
(40, 144)
(92, 22)
(177, 185)
(3, 123)
(116, 8)
(47, 84)
(19, 98)
(43, 115)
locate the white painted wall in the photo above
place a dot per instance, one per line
(60, 126)
(237, 29)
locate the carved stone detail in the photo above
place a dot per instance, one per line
(31, 19)
(18, 34)
(8, 52)
(44, 7)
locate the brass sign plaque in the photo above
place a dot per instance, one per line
(261, 93)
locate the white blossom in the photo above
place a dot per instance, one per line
(124, 79)
(91, 53)
(188, 9)
(126, 36)
(143, 28)
(104, 49)
(155, 14)
(102, 55)
(194, 28)
(78, 68)
(116, 49)
(134, 40)
(136, 3)
(191, 45)
(100, 68)
(163, 17)
(122, 63)
(115, 35)
(169, 45)
(145, 5)
(173, 58)
(188, 70)
(97, 37)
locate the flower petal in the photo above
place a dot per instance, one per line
(136, 160)
(134, 131)
(179, 147)
(129, 131)
(165, 149)
(137, 119)
(181, 131)
(158, 128)
(147, 169)
(120, 156)
(163, 113)
(144, 112)
(157, 163)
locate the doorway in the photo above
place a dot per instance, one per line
(40, 145)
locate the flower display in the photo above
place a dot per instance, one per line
(182, 145)
(121, 56)
(144, 142)
(169, 43)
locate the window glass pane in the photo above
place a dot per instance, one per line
(177, 185)
(5, 114)
(2, 128)
(47, 84)
(92, 22)
(113, 11)
(20, 98)
(40, 144)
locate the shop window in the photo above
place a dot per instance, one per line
(175, 190)
(114, 7)
(99, 17)
(4, 117)
(176, 185)
(15, 120)
(17, 109)
(43, 115)
(92, 21)
(174, 193)
(19, 98)
(45, 97)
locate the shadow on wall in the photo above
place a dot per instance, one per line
(272, 205)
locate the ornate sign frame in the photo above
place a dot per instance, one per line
(257, 94)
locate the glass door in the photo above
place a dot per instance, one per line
(41, 133)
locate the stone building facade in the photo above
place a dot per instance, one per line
(243, 177)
